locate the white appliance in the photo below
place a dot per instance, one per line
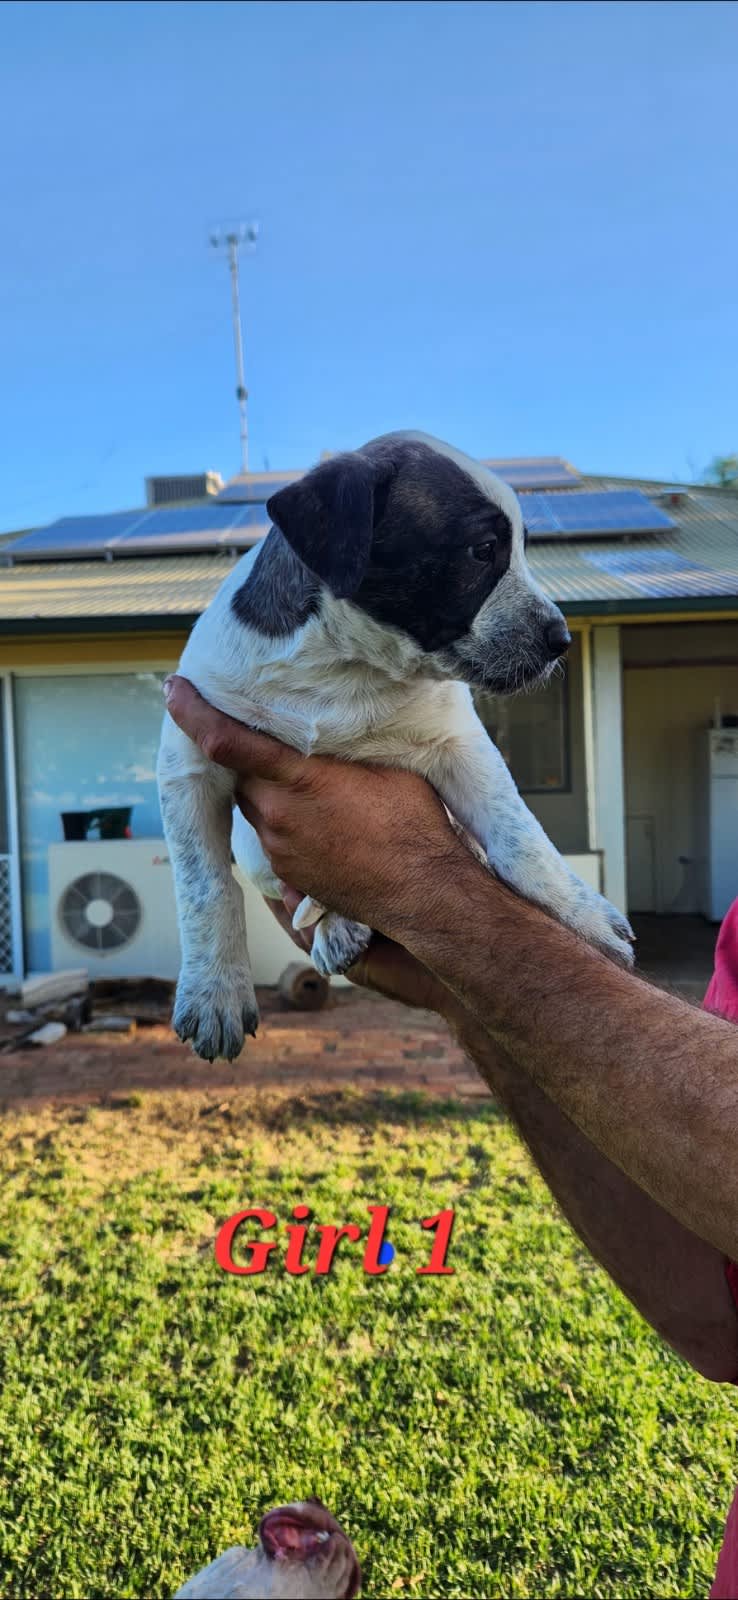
(112, 910)
(111, 907)
(719, 844)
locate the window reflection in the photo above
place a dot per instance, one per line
(531, 733)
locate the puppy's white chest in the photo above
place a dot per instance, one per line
(314, 703)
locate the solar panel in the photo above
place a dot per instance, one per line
(256, 488)
(582, 514)
(534, 472)
(182, 528)
(639, 563)
(537, 515)
(166, 530)
(74, 536)
(663, 573)
(586, 514)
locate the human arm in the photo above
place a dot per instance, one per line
(676, 1280)
(649, 1080)
(596, 1064)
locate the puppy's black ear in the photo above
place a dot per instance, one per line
(328, 518)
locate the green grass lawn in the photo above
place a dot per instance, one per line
(511, 1430)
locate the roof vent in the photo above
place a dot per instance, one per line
(675, 495)
(185, 486)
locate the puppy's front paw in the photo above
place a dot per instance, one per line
(602, 925)
(215, 1012)
(338, 943)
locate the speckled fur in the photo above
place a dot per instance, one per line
(344, 682)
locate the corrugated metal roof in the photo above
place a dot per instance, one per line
(696, 562)
(697, 559)
(142, 587)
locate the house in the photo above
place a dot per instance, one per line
(612, 756)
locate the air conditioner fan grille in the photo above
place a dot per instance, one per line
(100, 911)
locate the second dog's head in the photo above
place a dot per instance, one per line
(424, 540)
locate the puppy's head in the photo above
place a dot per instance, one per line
(310, 1555)
(423, 539)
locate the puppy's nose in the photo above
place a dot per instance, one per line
(558, 638)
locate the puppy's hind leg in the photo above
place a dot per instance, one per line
(215, 1005)
(252, 859)
(337, 942)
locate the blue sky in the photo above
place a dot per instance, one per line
(512, 225)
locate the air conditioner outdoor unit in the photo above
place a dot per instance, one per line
(112, 910)
(183, 487)
(111, 907)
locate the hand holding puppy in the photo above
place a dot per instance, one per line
(387, 825)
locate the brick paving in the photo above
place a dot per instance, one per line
(360, 1040)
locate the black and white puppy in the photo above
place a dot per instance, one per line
(393, 578)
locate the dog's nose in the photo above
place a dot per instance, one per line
(558, 638)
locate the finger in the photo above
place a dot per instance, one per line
(255, 799)
(254, 794)
(291, 898)
(393, 972)
(249, 811)
(304, 941)
(226, 741)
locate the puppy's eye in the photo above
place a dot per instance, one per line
(484, 552)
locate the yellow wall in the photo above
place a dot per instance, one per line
(134, 650)
(141, 648)
(148, 648)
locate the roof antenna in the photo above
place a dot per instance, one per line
(231, 239)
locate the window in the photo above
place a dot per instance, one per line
(531, 731)
(84, 740)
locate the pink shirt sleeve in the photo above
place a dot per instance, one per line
(722, 998)
(722, 995)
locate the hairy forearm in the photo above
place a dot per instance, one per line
(651, 1082)
(675, 1279)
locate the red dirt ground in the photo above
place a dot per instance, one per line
(360, 1040)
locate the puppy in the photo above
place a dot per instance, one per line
(393, 578)
(302, 1554)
